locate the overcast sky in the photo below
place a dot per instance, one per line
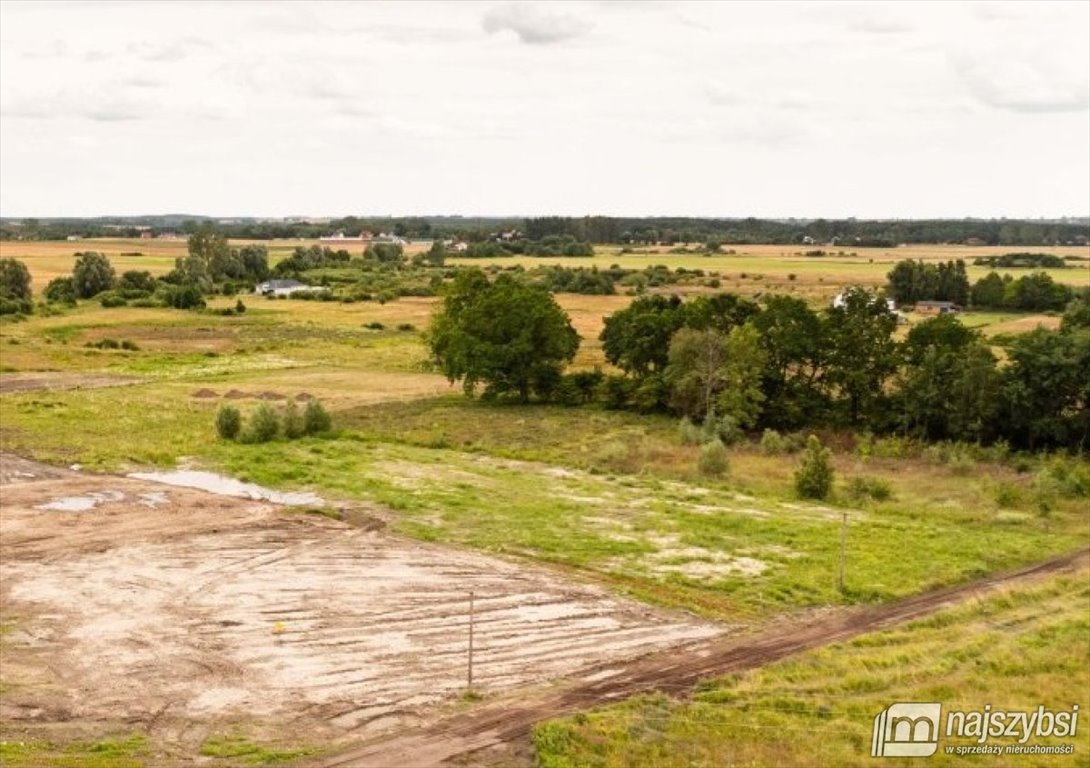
(618, 108)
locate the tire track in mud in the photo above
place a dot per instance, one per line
(676, 671)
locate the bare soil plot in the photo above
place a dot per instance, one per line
(129, 604)
(11, 383)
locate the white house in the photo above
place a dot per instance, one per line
(285, 288)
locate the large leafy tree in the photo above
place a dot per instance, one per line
(794, 341)
(717, 374)
(861, 351)
(1046, 389)
(637, 339)
(509, 336)
(92, 274)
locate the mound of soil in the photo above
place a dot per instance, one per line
(204, 394)
(270, 396)
(303, 397)
(235, 394)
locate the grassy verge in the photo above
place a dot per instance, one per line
(122, 752)
(1015, 651)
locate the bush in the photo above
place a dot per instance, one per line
(240, 307)
(713, 459)
(689, 433)
(61, 290)
(316, 419)
(724, 428)
(228, 422)
(264, 425)
(773, 443)
(15, 306)
(109, 300)
(293, 421)
(863, 488)
(814, 477)
(1007, 495)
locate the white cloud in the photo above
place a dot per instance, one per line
(534, 25)
(699, 108)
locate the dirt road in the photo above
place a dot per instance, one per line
(675, 670)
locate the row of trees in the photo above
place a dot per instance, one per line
(592, 229)
(733, 364)
(911, 281)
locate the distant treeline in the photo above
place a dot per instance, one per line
(588, 229)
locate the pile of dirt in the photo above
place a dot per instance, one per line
(270, 396)
(235, 394)
(204, 394)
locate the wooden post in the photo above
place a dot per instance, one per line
(469, 671)
(843, 545)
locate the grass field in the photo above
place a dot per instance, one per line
(1015, 651)
(750, 269)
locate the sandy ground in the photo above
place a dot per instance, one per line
(130, 604)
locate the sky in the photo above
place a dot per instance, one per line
(809, 109)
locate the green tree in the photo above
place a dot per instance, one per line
(1077, 314)
(14, 280)
(795, 343)
(942, 331)
(136, 280)
(92, 274)
(385, 253)
(510, 336)
(1046, 389)
(714, 374)
(861, 353)
(950, 392)
(637, 339)
(208, 249)
(989, 290)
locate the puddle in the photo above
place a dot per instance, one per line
(153, 500)
(228, 486)
(81, 503)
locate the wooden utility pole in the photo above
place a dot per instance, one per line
(843, 545)
(469, 671)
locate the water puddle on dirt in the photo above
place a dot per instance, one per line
(81, 503)
(228, 486)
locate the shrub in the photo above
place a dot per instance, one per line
(240, 307)
(228, 422)
(264, 425)
(773, 443)
(316, 419)
(406, 327)
(862, 488)
(689, 433)
(109, 300)
(814, 477)
(724, 428)
(293, 421)
(61, 290)
(566, 392)
(713, 459)
(1007, 495)
(129, 345)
